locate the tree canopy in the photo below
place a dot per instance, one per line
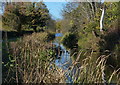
(31, 14)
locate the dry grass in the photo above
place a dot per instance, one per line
(33, 61)
(94, 70)
(34, 64)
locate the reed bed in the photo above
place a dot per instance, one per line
(94, 70)
(33, 61)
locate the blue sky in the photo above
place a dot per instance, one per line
(55, 9)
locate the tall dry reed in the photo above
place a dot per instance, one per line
(33, 61)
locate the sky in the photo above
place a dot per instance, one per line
(55, 9)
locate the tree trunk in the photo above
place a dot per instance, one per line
(6, 42)
(102, 19)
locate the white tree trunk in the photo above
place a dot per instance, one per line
(102, 19)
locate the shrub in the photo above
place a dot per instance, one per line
(41, 37)
(88, 41)
(69, 40)
(51, 36)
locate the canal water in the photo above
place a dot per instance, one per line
(64, 61)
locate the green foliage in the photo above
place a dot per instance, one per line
(50, 36)
(58, 25)
(88, 42)
(91, 26)
(10, 63)
(51, 25)
(80, 14)
(20, 14)
(111, 13)
(69, 40)
(38, 15)
(13, 17)
(73, 29)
